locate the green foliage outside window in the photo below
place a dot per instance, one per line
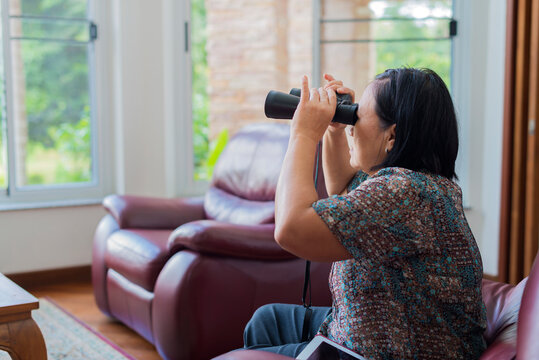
(435, 54)
(57, 98)
(200, 98)
(56, 94)
(58, 114)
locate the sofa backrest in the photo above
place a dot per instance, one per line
(244, 180)
(503, 304)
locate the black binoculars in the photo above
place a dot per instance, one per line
(280, 105)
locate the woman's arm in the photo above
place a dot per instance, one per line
(298, 229)
(335, 149)
(336, 161)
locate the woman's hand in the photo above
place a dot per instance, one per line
(338, 87)
(335, 153)
(315, 110)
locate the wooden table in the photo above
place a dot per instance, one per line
(19, 334)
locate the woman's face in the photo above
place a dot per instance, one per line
(369, 141)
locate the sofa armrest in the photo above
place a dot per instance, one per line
(225, 239)
(153, 213)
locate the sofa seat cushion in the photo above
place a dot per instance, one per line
(138, 255)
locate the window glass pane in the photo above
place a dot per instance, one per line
(372, 36)
(416, 9)
(434, 55)
(3, 120)
(200, 97)
(49, 29)
(56, 8)
(51, 96)
(239, 51)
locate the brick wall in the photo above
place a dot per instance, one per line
(247, 56)
(256, 46)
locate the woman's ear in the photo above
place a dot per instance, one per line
(390, 134)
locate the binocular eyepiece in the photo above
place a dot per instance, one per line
(280, 105)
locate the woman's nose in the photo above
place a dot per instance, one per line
(350, 130)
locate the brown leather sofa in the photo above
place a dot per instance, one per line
(188, 273)
(512, 322)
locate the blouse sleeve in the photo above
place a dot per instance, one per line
(374, 221)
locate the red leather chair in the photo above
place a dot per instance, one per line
(508, 308)
(187, 274)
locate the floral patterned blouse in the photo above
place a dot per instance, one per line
(413, 287)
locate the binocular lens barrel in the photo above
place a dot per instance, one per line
(280, 105)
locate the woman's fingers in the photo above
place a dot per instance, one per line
(345, 90)
(323, 95)
(315, 95)
(334, 83)
(332, 97)
(304, 90)
(331, 81)
(329, 77)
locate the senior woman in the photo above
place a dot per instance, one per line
(406, 274)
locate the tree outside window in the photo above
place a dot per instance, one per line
(49, 64)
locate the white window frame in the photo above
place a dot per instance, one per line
(178, 111)
(460, 80)
(460, 75)
(41, 196)
(178, 101)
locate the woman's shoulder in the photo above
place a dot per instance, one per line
(404, 181)
(393, 176)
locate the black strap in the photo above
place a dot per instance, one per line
(305, 336)
(308, 311)
(307, 285)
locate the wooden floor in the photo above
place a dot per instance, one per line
(78, 299)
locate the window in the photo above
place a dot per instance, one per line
(357, 40)
(237, 52)
(48, 143)
(200, 96)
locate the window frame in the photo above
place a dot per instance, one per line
(460, 78)
(42, 196)
(178, 113)
(178, 86)
(460, 91)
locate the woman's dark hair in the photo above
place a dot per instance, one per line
(426, 132)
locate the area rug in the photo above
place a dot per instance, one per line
(68, 338)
